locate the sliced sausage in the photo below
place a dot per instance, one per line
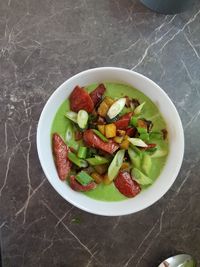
(126, 185)
(92, 140)
(60, 151)
(97, 94)
(123, 122)
(80, 99)
(75, 185)
(131, 132)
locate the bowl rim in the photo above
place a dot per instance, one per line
(116, 212)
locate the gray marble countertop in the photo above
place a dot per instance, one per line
(42, 43)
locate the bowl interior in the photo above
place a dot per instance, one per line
(168, 111)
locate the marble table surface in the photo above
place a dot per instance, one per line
(42, 43)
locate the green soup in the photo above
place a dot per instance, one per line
(150, 112)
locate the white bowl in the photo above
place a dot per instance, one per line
(168, 111)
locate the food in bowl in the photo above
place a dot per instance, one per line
(109, 141)
(175, 146)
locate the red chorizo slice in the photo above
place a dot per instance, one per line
(97, 94)
(75, 185)
(80, 99)
(123, 122)
(131, 132)
(126, 185)
(92, 140)
(60, 151)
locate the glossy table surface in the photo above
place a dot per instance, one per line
(42, 43)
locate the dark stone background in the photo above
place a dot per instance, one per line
(42, 43)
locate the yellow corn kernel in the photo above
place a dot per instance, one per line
(125, 166)
(121, 132)
(97, 177)
(101, 129)
(124, 144)
(103, 109)
(126, 137)
(118, 139)
(106, 180)
(109, 101)
(110, 130)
